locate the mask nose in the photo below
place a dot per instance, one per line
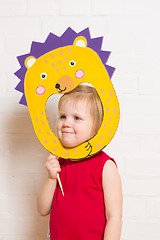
(57, 86)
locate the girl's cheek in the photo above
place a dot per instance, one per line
(58, 128)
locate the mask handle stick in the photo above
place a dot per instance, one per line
(59, 181)
(60, 184)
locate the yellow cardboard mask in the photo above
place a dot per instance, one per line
(57, 66)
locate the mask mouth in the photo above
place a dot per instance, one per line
(61, 90)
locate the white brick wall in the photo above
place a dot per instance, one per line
(13, 8)
(131, 31)
(42, 8)
(72, 7)
(109, 7)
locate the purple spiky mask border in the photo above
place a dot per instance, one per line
(52, 42)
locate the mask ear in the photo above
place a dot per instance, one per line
(30, 61)
(80, 42)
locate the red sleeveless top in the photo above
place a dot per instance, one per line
(80, 213)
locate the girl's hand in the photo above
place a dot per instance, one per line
(52, 166)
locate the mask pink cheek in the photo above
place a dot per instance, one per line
(79, 74)
(40, 90)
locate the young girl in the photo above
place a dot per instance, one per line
(91, 208)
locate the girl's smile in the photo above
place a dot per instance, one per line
(75, 123)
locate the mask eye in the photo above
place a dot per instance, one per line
(72, 63)
(44, 75)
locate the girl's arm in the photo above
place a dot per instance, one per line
(112, 189)
(44, 200)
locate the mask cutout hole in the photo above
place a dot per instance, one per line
(97, 109)
(52, 111)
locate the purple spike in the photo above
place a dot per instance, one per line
(23, 100)
(21, 73)
(68, 37)
(36, 49)
(110, 70)
(95, 43)
(52, 42)
(104, 55)
(85, 33)
(70, 32)
(20, 87)
(18, 74)
(50, 37)
(21, 59)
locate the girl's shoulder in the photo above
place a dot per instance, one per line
(97, 163)
(105, 158)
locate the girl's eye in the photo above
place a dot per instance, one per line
(63, 117)
(72, 63)
(76, 118)
(44, 75)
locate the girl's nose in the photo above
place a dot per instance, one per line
(67, 123)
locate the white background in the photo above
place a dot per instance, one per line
(131, 30)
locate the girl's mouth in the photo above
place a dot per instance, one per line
(68, 132)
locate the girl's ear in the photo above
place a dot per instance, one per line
(80, 42)
(30, 61)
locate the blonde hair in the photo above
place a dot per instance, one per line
(88, 93)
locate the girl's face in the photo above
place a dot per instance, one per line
(75, 123)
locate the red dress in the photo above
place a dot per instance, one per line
(80, 213)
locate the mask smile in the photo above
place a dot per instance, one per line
(61, 90)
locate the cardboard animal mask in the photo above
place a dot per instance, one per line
(57, 66)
